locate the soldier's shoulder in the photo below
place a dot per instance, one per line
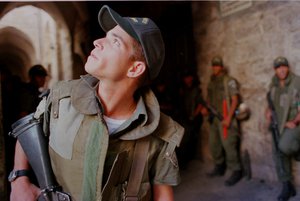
(297, 78)
(232, 82)
(65, 86)
(169, 130)
(62, 89)
(230, 77)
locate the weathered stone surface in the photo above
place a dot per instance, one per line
(249, 41)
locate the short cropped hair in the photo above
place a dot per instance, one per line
(138, 55)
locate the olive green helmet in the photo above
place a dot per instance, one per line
(280, 61)
(217, 61)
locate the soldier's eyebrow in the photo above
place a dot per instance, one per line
(117, 36)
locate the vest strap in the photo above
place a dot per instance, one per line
(137, 169)
(55, 103)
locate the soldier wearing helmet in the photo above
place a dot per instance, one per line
(223, 95)
(284, 94)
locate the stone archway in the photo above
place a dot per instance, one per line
(16, 51)
(49, 35)
(72, 19)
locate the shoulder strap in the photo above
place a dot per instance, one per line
(225, 81)
(137, 169)
(55, 102)
(287, 108)
(60, 90)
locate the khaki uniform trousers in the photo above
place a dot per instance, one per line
(289, 144)
(225, 150)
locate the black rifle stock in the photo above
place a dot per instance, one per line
(29, 133)
(211, 109)
(275, 130)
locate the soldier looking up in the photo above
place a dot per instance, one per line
(99, 120)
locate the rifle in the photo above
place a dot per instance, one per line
(29, 133)
(275, 131)
(211, 109)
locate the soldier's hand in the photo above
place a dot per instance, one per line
(268, 114)
(226, 122)
(290, 124)
(23, 190)
(204, 111)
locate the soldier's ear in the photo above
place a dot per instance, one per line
(137, 69)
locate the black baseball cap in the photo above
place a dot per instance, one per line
(144, 30)
(280, 61)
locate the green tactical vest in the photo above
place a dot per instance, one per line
(85, 159)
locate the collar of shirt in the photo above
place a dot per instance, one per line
(84, 99)
(275, 80)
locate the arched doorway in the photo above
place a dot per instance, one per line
(16, 51)
(49, 38)
(37, 32)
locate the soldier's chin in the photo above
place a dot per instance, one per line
(88, 67)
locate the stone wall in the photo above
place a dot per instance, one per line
(248, 41)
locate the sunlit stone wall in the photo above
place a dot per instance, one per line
(249, 40)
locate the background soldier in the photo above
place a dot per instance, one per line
(30, 91)
(285, 93)
(191, 117)
(224, 136)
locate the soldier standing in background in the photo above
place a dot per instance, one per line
(224, 137)
(30, 91)
(191, 117)
(285, 96)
